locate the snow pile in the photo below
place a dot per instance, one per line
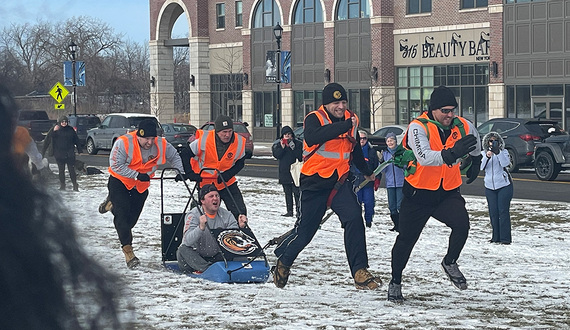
(523, 285)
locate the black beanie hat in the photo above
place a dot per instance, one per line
(285, 130)
(441, 97)
(333, 92)
(223, 122)
(147, 128)
(205, 190)
(63, 118)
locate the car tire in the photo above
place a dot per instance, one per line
(90, 147)
(514, 166)
(545, 167)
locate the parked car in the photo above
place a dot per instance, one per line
(552, 155)
(299, 133)
(177, 134)
(114, 125)
(82, 123)
(37, 122)
(241, 129)
(521, 135)
(399, 130)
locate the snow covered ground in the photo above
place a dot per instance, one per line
(523, 285)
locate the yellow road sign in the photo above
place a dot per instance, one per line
(59, 106)
(58, 92)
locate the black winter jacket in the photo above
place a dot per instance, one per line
(64, 141)
(286, 157)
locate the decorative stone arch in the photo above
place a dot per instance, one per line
(163, 15)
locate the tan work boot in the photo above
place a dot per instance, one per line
(366, 281)
(106, 206)
(280, 274)
(132, 260)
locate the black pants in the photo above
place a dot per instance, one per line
(70, 162)
(417, 207)
(127, 207)
(313, 207)
(228, 195)
(291, 191)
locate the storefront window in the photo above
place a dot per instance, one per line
(402, 77)
(510, 101)
(403, 106)
(523, 107)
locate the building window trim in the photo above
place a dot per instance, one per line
(220, 16)
(239, 14)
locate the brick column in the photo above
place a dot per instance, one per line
(162, 69)
(200, 68)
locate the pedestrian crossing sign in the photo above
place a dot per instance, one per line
(58, 92)
(59, 106)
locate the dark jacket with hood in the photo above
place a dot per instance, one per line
(287, 156)
(61, 143)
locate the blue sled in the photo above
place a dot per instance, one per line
(255, 272)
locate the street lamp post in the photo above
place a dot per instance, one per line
(278, 32)
(73, 49)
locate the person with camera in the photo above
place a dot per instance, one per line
(287, 149)
(498, 186)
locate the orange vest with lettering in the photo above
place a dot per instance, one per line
(333, 154)
(207, 158)
(136, 163)
(431, 177)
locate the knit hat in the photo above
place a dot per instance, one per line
(147, 128)
(333, 92)
(223, 122)
(285, 130)
(205, 190)
(442, 97)
(391, 135)
(63, 118)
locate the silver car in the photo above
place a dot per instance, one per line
(114, 125)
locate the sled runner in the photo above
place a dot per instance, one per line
(240, 260)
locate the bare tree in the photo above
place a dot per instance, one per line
(230, 62)
(181, 80)
(377, 97)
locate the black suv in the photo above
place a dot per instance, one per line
(521, 135)
(82, 123)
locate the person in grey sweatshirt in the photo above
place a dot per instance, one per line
(199, 249)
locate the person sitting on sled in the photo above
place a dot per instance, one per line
(199, 249)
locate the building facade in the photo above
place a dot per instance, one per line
(389, 55)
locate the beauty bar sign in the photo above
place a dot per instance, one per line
(459, 46)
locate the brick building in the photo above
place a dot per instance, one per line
(389, 55)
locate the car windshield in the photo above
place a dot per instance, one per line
(134, 121)
(240, 128)
(88, 121)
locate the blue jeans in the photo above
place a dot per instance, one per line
(366, 197)
(394, 199)
(499, 202)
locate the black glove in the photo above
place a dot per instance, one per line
(473, 171)
(180, 177)
(495, 147)
(223, 175)
(143, 177)
(461, 148)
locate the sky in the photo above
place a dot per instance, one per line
(129, 17)
(524, 285)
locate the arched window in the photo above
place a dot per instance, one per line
(308, 11)
(266, 14)
(348, 9)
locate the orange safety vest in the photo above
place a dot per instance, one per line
(207, 157)
(431, 177)
(136, 163)
(331, 155)
(21, 140)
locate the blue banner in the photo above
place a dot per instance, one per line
(79, 73)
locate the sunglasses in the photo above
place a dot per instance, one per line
(446, 111)
(363, 138)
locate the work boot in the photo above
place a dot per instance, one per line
(62, 186)
(395, 293)
(132, 260)
(280, 274)
(366, 281)
(105, 206)
(288, 214)
(396, 220)
(75, 187)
